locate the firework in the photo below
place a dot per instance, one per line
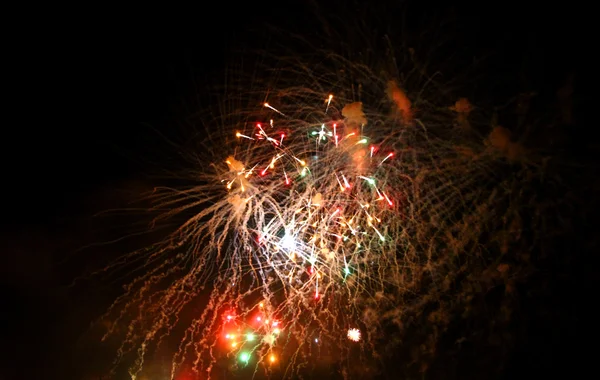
(318, 215)
(354, 335)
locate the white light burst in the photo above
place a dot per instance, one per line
(354, 335)
(288, 242)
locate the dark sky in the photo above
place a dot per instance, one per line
(86, 86)
(98, 77)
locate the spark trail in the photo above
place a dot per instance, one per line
(316, 217)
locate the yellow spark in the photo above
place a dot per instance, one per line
(238, 135)
(274, 109)
(328, 100)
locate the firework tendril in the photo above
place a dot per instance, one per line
(316, 219)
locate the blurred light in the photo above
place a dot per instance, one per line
(354, 335)
(288, 242)
(250, 337)
(269, 339)
(245, 357)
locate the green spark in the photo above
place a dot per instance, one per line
(245, 357)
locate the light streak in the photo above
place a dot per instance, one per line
(244, 136)
(386, 157)
(328, 102)
(269, 106)
(293, 238)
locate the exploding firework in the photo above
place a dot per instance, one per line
(354, 335)
(325, 208)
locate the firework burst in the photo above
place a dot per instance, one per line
(324, 212)
(354, 335)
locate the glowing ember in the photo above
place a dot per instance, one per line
(354, 335)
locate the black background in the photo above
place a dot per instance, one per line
(86, 83)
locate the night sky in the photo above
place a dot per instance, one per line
(93, 89)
